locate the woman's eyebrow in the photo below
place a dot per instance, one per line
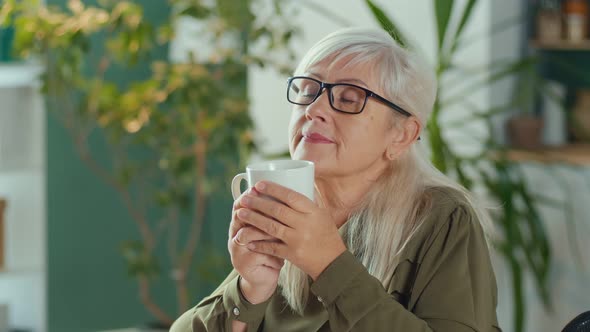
(345, 80)
(353, 80)
(318, 76)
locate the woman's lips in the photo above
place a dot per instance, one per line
(316, 138)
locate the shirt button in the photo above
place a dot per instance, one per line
(236, 311)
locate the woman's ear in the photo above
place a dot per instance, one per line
(403, 136)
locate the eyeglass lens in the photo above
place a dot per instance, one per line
(344, 98)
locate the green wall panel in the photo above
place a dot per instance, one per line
(571, 68)
(88, 289)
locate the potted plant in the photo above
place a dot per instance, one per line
(524, 128)
(580, 118)
(523, 239)
(174, 136)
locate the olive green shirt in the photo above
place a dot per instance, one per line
(443, 281)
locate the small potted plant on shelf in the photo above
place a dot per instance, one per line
(580, 118)
(525, 131)
(524, 128)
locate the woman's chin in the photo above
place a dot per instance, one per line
(305, 154)
(321, 163)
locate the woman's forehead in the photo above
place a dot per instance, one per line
(347, 69)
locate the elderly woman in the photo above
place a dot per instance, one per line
(390, 244)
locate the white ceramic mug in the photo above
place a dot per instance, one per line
(297, 175)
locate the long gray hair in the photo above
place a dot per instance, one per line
(395, 207)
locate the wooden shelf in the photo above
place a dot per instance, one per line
(561, 45)
(573, 154)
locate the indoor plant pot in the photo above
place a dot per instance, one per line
(580, 119)
(525, 131)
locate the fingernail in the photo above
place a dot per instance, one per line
(242, 213)
(251, 245)
(246, 200)
(260, 186)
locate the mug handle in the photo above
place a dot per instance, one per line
(235, 185)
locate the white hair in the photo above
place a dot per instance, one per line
(381, 226)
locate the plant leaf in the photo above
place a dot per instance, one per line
(465, 17)
(467, 10)
(510, 70)
(497, 28)
(538, 251)
(387, 24)
(443, 10)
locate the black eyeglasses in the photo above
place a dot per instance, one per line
(343, 97)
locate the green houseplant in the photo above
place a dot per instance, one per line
(522, 240)
(525, 128)
(173, 136)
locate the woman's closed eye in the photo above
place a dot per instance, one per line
(308, 92)
(349, 98)
(347, 101)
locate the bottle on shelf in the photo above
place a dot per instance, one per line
(575, 20)
(549, 21)
(554, 115)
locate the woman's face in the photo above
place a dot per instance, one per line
(342, 144)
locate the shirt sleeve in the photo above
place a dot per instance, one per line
(452, 292)
(217, 311)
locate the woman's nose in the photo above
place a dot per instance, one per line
(320, 107)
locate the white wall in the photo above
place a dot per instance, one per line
(267, 89)
(271, 114)
(570, 273)
(568, 280)
(22, 184)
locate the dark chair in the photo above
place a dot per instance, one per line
(579, 324)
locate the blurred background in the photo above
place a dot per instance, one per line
(122, 124)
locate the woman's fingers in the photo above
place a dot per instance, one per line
(272, 248)
(236, 224)
(269, 261)
(242, 256)
(293, 199)
(248, 234)
(271, 208)
(265, 224)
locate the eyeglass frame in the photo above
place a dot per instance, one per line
(329, 86)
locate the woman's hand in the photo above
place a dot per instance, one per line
(259, 272)
(308, 235)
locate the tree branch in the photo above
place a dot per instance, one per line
(80, 143)
(200, 152)
(146, 298)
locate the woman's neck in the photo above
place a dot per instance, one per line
(342, 195)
